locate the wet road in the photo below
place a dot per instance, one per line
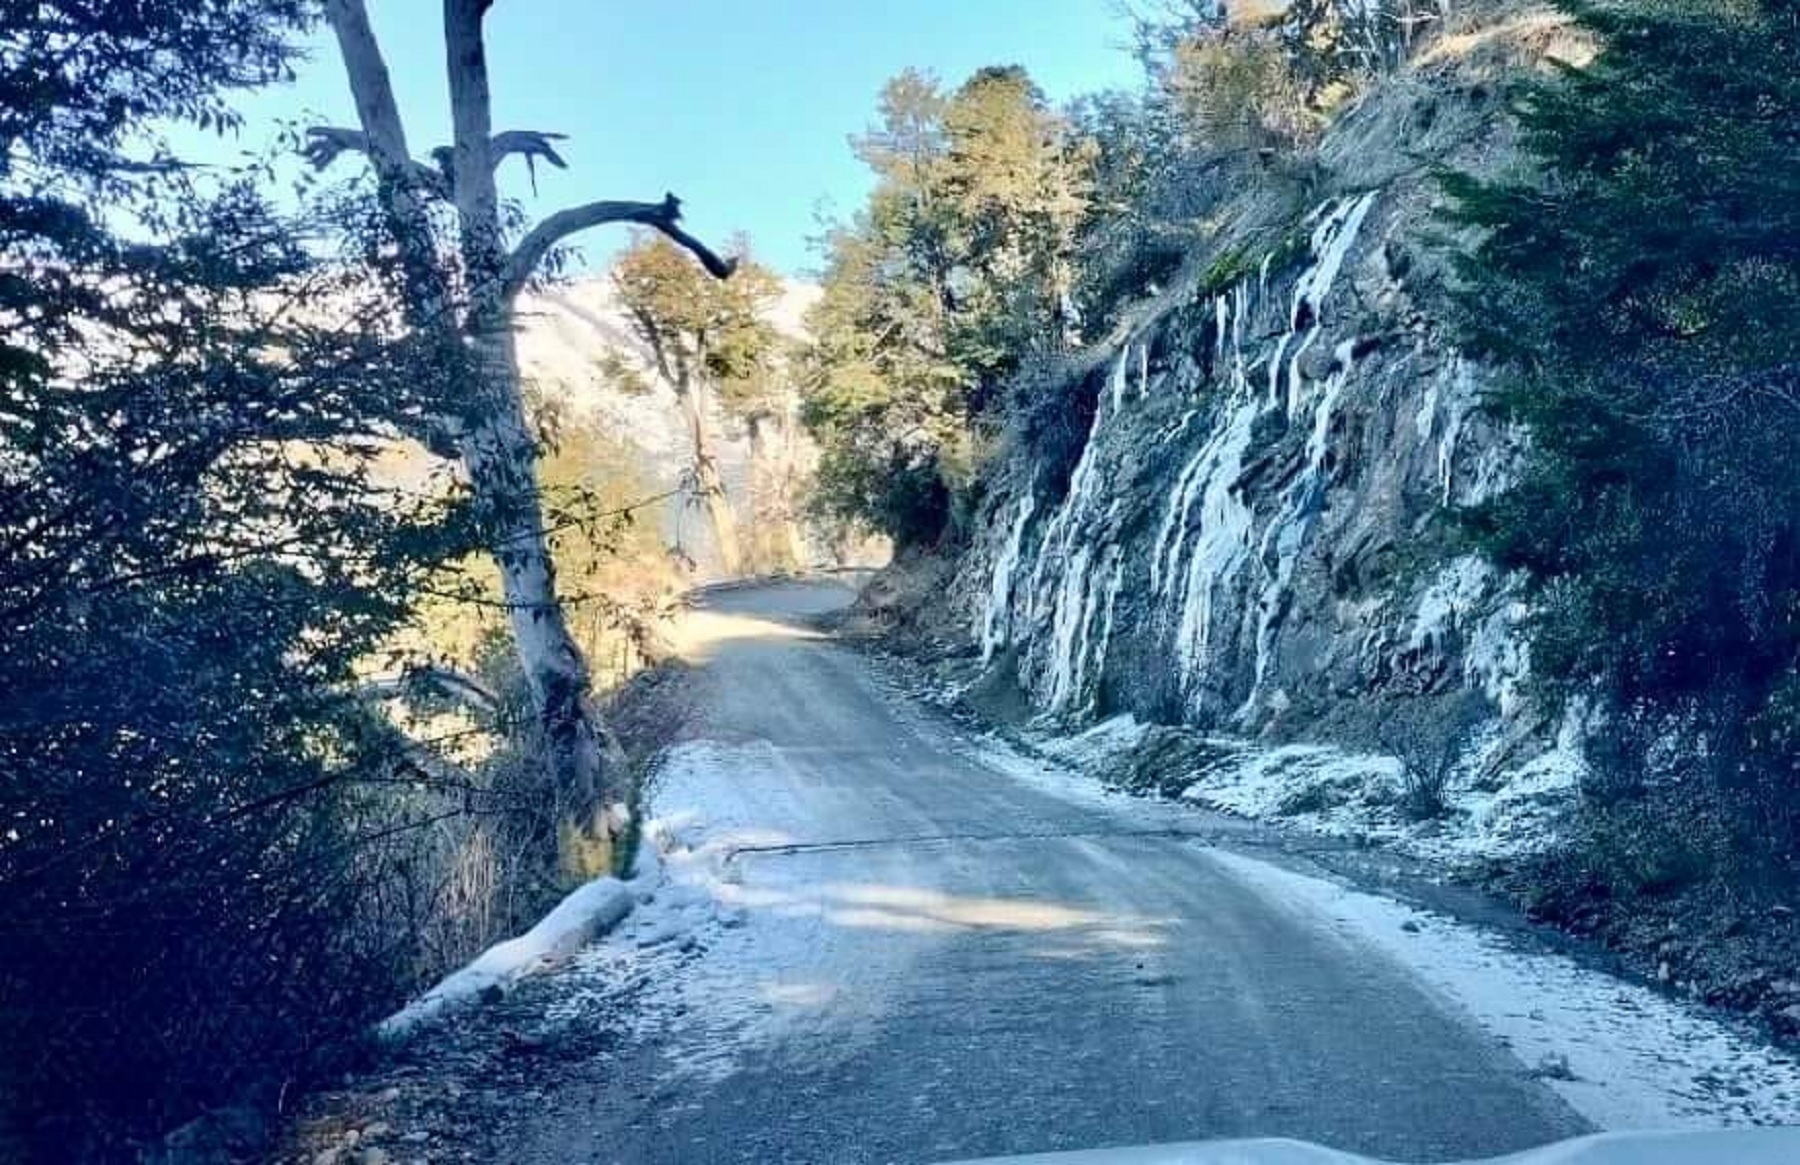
(925, 955)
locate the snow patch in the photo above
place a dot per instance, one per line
(1360, 797)
(1636, 1059)
(588, 912)
(1446, 604)
(1675, 1147)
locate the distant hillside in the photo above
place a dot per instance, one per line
(569, 336)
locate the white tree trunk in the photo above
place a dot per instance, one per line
(500, 451)
(477, 351)
(474, 348)
(501, 457)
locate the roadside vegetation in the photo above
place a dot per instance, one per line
(280, 740)
(1628, 280)
(1005, 237)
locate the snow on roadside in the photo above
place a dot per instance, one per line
(1105, 742)
(1515, 812)
(1620, 1054)
(1329, 791)
(760, 978)
(674, 884)
(591, 909)
(1663, 1147)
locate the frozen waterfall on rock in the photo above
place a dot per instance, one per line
(1067, 586)
(1207, 492)
(1053, 591)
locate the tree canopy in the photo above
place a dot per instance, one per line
(959, 265)
(1634, 280)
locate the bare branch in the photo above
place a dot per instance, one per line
(464, 689)
(665, 216)
(427, 292)
(528, 143)
(325, 143)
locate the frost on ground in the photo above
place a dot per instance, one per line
(705, 988)
(1489, 812)
(1362, 797)
(678, 880)
(1675, 1147)
(1621, 1055)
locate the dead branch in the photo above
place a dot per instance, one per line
(529, 144)
(326, 143)
(664, 216)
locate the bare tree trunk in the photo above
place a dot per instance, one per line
(474, 346)
(501, 457)
(709, 483)
(500, 451)
(491, 435)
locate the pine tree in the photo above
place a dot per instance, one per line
(959, 267)
(1637, 281)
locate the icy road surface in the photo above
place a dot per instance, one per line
(874, 939)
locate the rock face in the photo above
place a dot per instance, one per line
(1254, 538)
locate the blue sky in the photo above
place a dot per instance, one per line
(741, 107)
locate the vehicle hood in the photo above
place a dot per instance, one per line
(1772, 1146)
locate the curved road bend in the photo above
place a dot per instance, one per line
(986, 968)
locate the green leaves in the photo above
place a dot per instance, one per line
(715, 329)
(1635, 282)
(200, 543)
(960, 264)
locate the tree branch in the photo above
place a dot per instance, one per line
(325, 143)
(427, 299)
(531, 145)
(665, 216)
(464, 689)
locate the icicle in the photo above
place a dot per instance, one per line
(1338, 224)
(1106, 621)
(1275, 367)
(1344, 356)
(1286, 533)
(1223, 539)
(1456, 409)
(1426, 418)
(1239, 316)
(1061, 586)
(1071, 611)
(1144, 369)
(1294, 386)
(996, 619)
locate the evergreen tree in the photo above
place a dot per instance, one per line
(1638, 282)
(959, 266)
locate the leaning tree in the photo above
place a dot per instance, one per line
(458, 301)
